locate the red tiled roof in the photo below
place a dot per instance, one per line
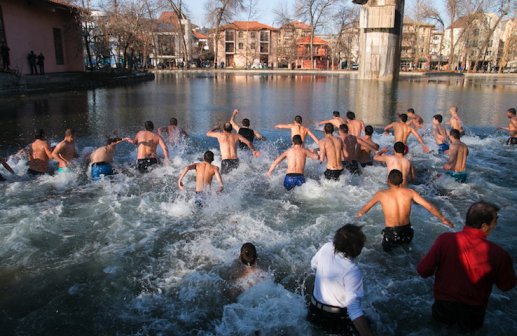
(315, 41)
(200, 36)
(247, 25)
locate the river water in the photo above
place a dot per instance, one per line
(133, 256)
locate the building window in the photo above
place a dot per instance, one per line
(58, 46)
(264, 36)
(229, 35)
(241, 46)
(230, 47)
(264, 48)
(241, 34)
(252, 46)
(253, 35)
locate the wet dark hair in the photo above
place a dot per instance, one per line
(69, 132)
(173, 121)
(350, 115)
(410, 110)
(208, 156)
(438, 117)
(109, 141)
(512, 111)
(455, 134)
(395, 177)
(149, 126)
(329, 128)
(298, 119)
(246, 122)
(248, 254)
(399, 147)
(368, 130)
(481, 213)
(403, 117)
(349, 240)
(335, 113)
(344, 128)
(39, 134)
(227, 127)
(297, 139)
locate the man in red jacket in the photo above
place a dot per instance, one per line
(466, 265)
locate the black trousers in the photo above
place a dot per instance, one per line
(468, 317)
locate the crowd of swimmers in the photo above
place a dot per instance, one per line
(352, 149)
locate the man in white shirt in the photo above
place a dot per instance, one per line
(338, 288)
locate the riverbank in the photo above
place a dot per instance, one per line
(15, 85)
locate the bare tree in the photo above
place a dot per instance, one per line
(178, 7)
(345, 18)
(251, 13)
(287, 48)
(431, 13)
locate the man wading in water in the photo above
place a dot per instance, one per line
(147, 141)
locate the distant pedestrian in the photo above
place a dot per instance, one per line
(41, 63)
(5, 57)
(32, 63)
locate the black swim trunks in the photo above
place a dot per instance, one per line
(144, 164)
(333, 174)
(396, 236)
(34, 172)
(512, 141)
(228, 165)
(333, 320)
(352, 167)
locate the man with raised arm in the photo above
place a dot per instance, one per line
(456, 166)
(512, 127)
(65, 151)
(39, 154)
(402, 132)
(298, 129)
(350, 150)
(296, 157)
(245, 130)
(205, 171)
(336, 120)
(367, 146)
(173, 132)
(455, 120)
(399, 162)
(440, 134)
(331, 150)
(101, 159)
(396, 204)
(355, 127)
(414, 119)
(146, 142)
(228, 145)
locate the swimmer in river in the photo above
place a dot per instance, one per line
(65, 151)
(399, 162)
(296, 157)
(336, 120)
(350, 150)
(512, 127)
(402, 132)
(4, 163)
(331, 150)
(228, 145)
(414, 120)
(298, 129)
(146, 142)
(396, 205)
(440, 134)
(173, 131)
(355, 127)
(102, 158)
(456, 166)
(205, 171)
(245, 273)
(455, 120)
(367, 146)
(39, 154)
(245, 130)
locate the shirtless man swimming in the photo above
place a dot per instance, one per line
(440, 134)
(39, 154)
(367, 146)
(296, 157)
(298, 129)
(331, 150)
(146, 142)
(398, 162)
(65, 151)
(355, 127)
(228, 145)
(102, 158)
(205, 171)
(414, 119)
(512, 127)
(455, 120)
(350, 150)
(402, 131)
(396, 205)
(245, 130)
(456, 166)
(173, 131)
(336, 120)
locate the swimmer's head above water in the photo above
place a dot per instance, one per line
(349, 240)
(208, 156)
(149, 126)
(297, 140)
(399, 147)
(246, 122)
(511, 112)
(248, 254)
(455, 134)
(39, 134)
(350, 115)
(227, 127)
(368, 130)
(395, 177)
(335, 113)
(173, 122)
(329, 128)
(438, 118)
(403, 117)
(298, 119)
(343, 128)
